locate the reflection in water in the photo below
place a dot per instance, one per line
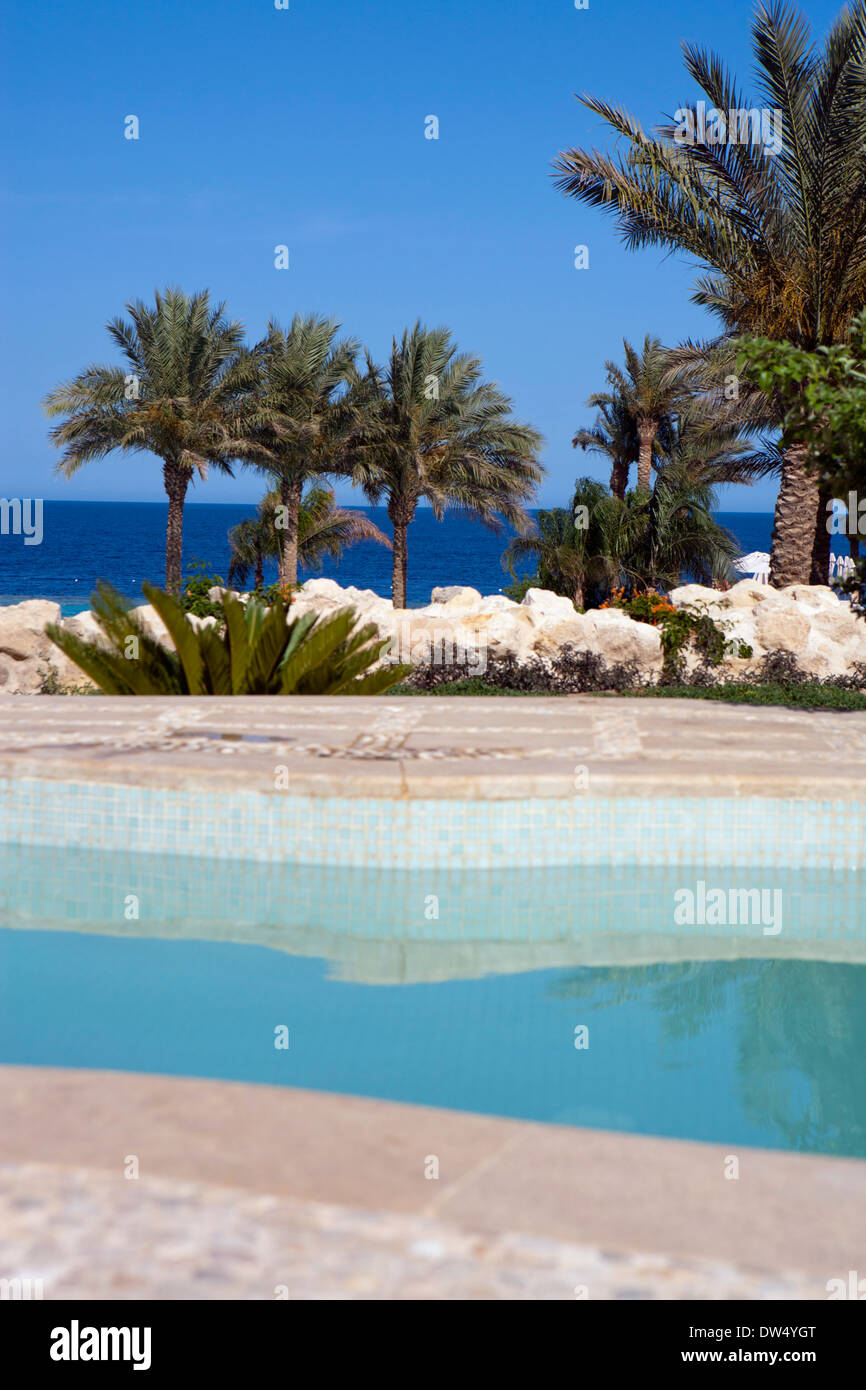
(716, 1034)
(800, 1035)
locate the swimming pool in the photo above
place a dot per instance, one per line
(565, 993)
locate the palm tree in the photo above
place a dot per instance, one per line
(572, 559)
(251, 542)
(673, 533)
(781, 230)
(615, 435)
(296, 413)
(427, 426)
(323, 529)
(647, 540)
(177, 399)
(649, 396)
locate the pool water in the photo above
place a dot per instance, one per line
(717, 1034)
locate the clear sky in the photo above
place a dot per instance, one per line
(306, 127)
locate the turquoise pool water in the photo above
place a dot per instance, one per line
(461, 990)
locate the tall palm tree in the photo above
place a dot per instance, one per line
(177, 399)
(295, 414)
(782, 231)
(323, 529)
(615, 435)
(646, 392)
(426, 425)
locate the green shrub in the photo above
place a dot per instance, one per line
(255, 651)
(194, 596)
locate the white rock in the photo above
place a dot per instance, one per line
(696, 594)
(23, 676)
(497, 603)
(22, 629)
(153, 624)
(456, 595)
(85, 626)
(746, 593)
(618, 638)
(781, 628)
(812, 595)
(28, 657)
(545, 601)
(322, 588)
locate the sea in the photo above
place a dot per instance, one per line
(124, 542)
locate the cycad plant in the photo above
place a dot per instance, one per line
(176, 397)
(427, 426)
(297, 415)
(323, 529)
(778, 222)
(254, 651)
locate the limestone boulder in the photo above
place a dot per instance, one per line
(153, 624)
(28, 658)
(746, 593)
(456, 596)
(544, 601)
(497, 603)
(779, 627)
(22, 629)
(619, 639)
(24, 676)
(697, 595)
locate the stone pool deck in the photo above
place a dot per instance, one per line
(244, 1190)
(259, 1192)
(421, 747)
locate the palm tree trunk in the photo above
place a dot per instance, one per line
(281, 554)
(400, 512)
(619, 479)
(291, 490)
(398, 565)
(260, 568)
(289, 541)
(647, 431)
(821, 545)
(176, 480)
(795, 522)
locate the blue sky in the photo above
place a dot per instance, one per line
(305, 127)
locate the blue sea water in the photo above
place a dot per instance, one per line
(124, 542)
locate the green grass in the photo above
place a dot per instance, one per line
(808, 695)
(469, 685)
(805, 695)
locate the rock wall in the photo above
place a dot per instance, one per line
(461, 625)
